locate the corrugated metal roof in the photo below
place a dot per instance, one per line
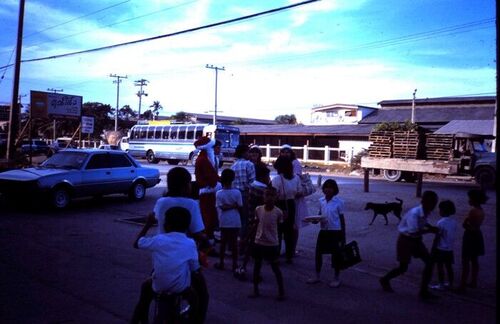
(309, 130)
(459, 101)
(430, 115)
(480, 127)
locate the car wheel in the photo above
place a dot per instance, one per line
(151, 158)
(392, 175)
(60, 198)
(138, 191)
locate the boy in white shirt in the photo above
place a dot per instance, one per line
(229, 203)
(442, 250)
(175, 256)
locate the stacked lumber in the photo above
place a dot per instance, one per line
(381, 144)
(405, 144)
(439, 147)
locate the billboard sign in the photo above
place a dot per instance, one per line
(87, 125)
(55, 105)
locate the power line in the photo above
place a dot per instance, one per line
(190, 30)
(115, 23)
(77, 18)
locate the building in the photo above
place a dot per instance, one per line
(339, 114)
(207, 118)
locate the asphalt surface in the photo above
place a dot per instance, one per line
(78, 266)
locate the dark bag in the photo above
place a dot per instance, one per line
(349, 255)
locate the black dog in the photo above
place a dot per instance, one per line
(384, 209)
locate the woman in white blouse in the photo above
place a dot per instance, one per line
(289, 189)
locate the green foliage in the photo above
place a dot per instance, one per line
(395, 126)
(181, 116)
(286, 119)
(156, 109)
(356, 159)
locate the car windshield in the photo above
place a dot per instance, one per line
(66, 160)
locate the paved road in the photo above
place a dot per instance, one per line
(78, 266)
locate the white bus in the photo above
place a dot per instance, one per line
(174, 142)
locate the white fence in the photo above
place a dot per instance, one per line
(270, 153)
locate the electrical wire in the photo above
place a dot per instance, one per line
(190, 30)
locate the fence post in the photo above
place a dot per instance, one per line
(327, 154)
(268, 153)
(305, 155)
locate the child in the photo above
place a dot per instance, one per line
(331, 237)
(266, 245)
(411, 228)
(442, 251)
(473, 243)
(179, 189)
(175, 255)
(228, 203)
(255, 198)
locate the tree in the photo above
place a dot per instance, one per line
(126, 113)
(181, 116)
(156, 109)
(148, 114)
(286, 119)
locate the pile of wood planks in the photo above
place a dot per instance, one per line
(381, 144)
(406, 144)
(439, 147)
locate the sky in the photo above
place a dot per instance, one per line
(322, 53)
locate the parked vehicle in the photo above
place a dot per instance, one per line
(174, 143)
(75, 173)
(61, 144)
(34, 147)
(466, 156)
(108, 147)
(124, 144)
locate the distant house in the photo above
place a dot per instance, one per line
(433, 113)
(339, 114)
(208, 118)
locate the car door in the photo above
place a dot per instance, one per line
(96, 178)
(123, 172)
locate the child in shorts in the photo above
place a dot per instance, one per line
(266, 246)
(442, 249)
(228, 202)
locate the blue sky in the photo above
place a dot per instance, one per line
(331, 51)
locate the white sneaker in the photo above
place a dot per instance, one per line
(437, 287)
(313, 280)
(334, 283)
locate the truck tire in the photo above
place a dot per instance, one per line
(485, 177)
(392, 175)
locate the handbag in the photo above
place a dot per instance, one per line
(308, 187)
(349, 255)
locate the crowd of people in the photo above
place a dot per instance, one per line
(256, 215)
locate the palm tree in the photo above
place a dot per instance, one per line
(156, 109)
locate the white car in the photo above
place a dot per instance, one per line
(75, 173)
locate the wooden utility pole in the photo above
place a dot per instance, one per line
(14, 106)
(117, 81)
(217, 69)
(141, 83)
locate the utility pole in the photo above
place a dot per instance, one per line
(14, 106)
(217, 69)
(140, 83)
(54, 121)
(413, 107)
(117, 81)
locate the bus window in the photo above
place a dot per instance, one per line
(190, 132)
(173, 132)
(182, 132)
(166, 131)
(158, 132)
(198, 133)
(151, 132)
(142, 134)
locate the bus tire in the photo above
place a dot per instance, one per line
(392, 175)
(151, 158)
(173, 162)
